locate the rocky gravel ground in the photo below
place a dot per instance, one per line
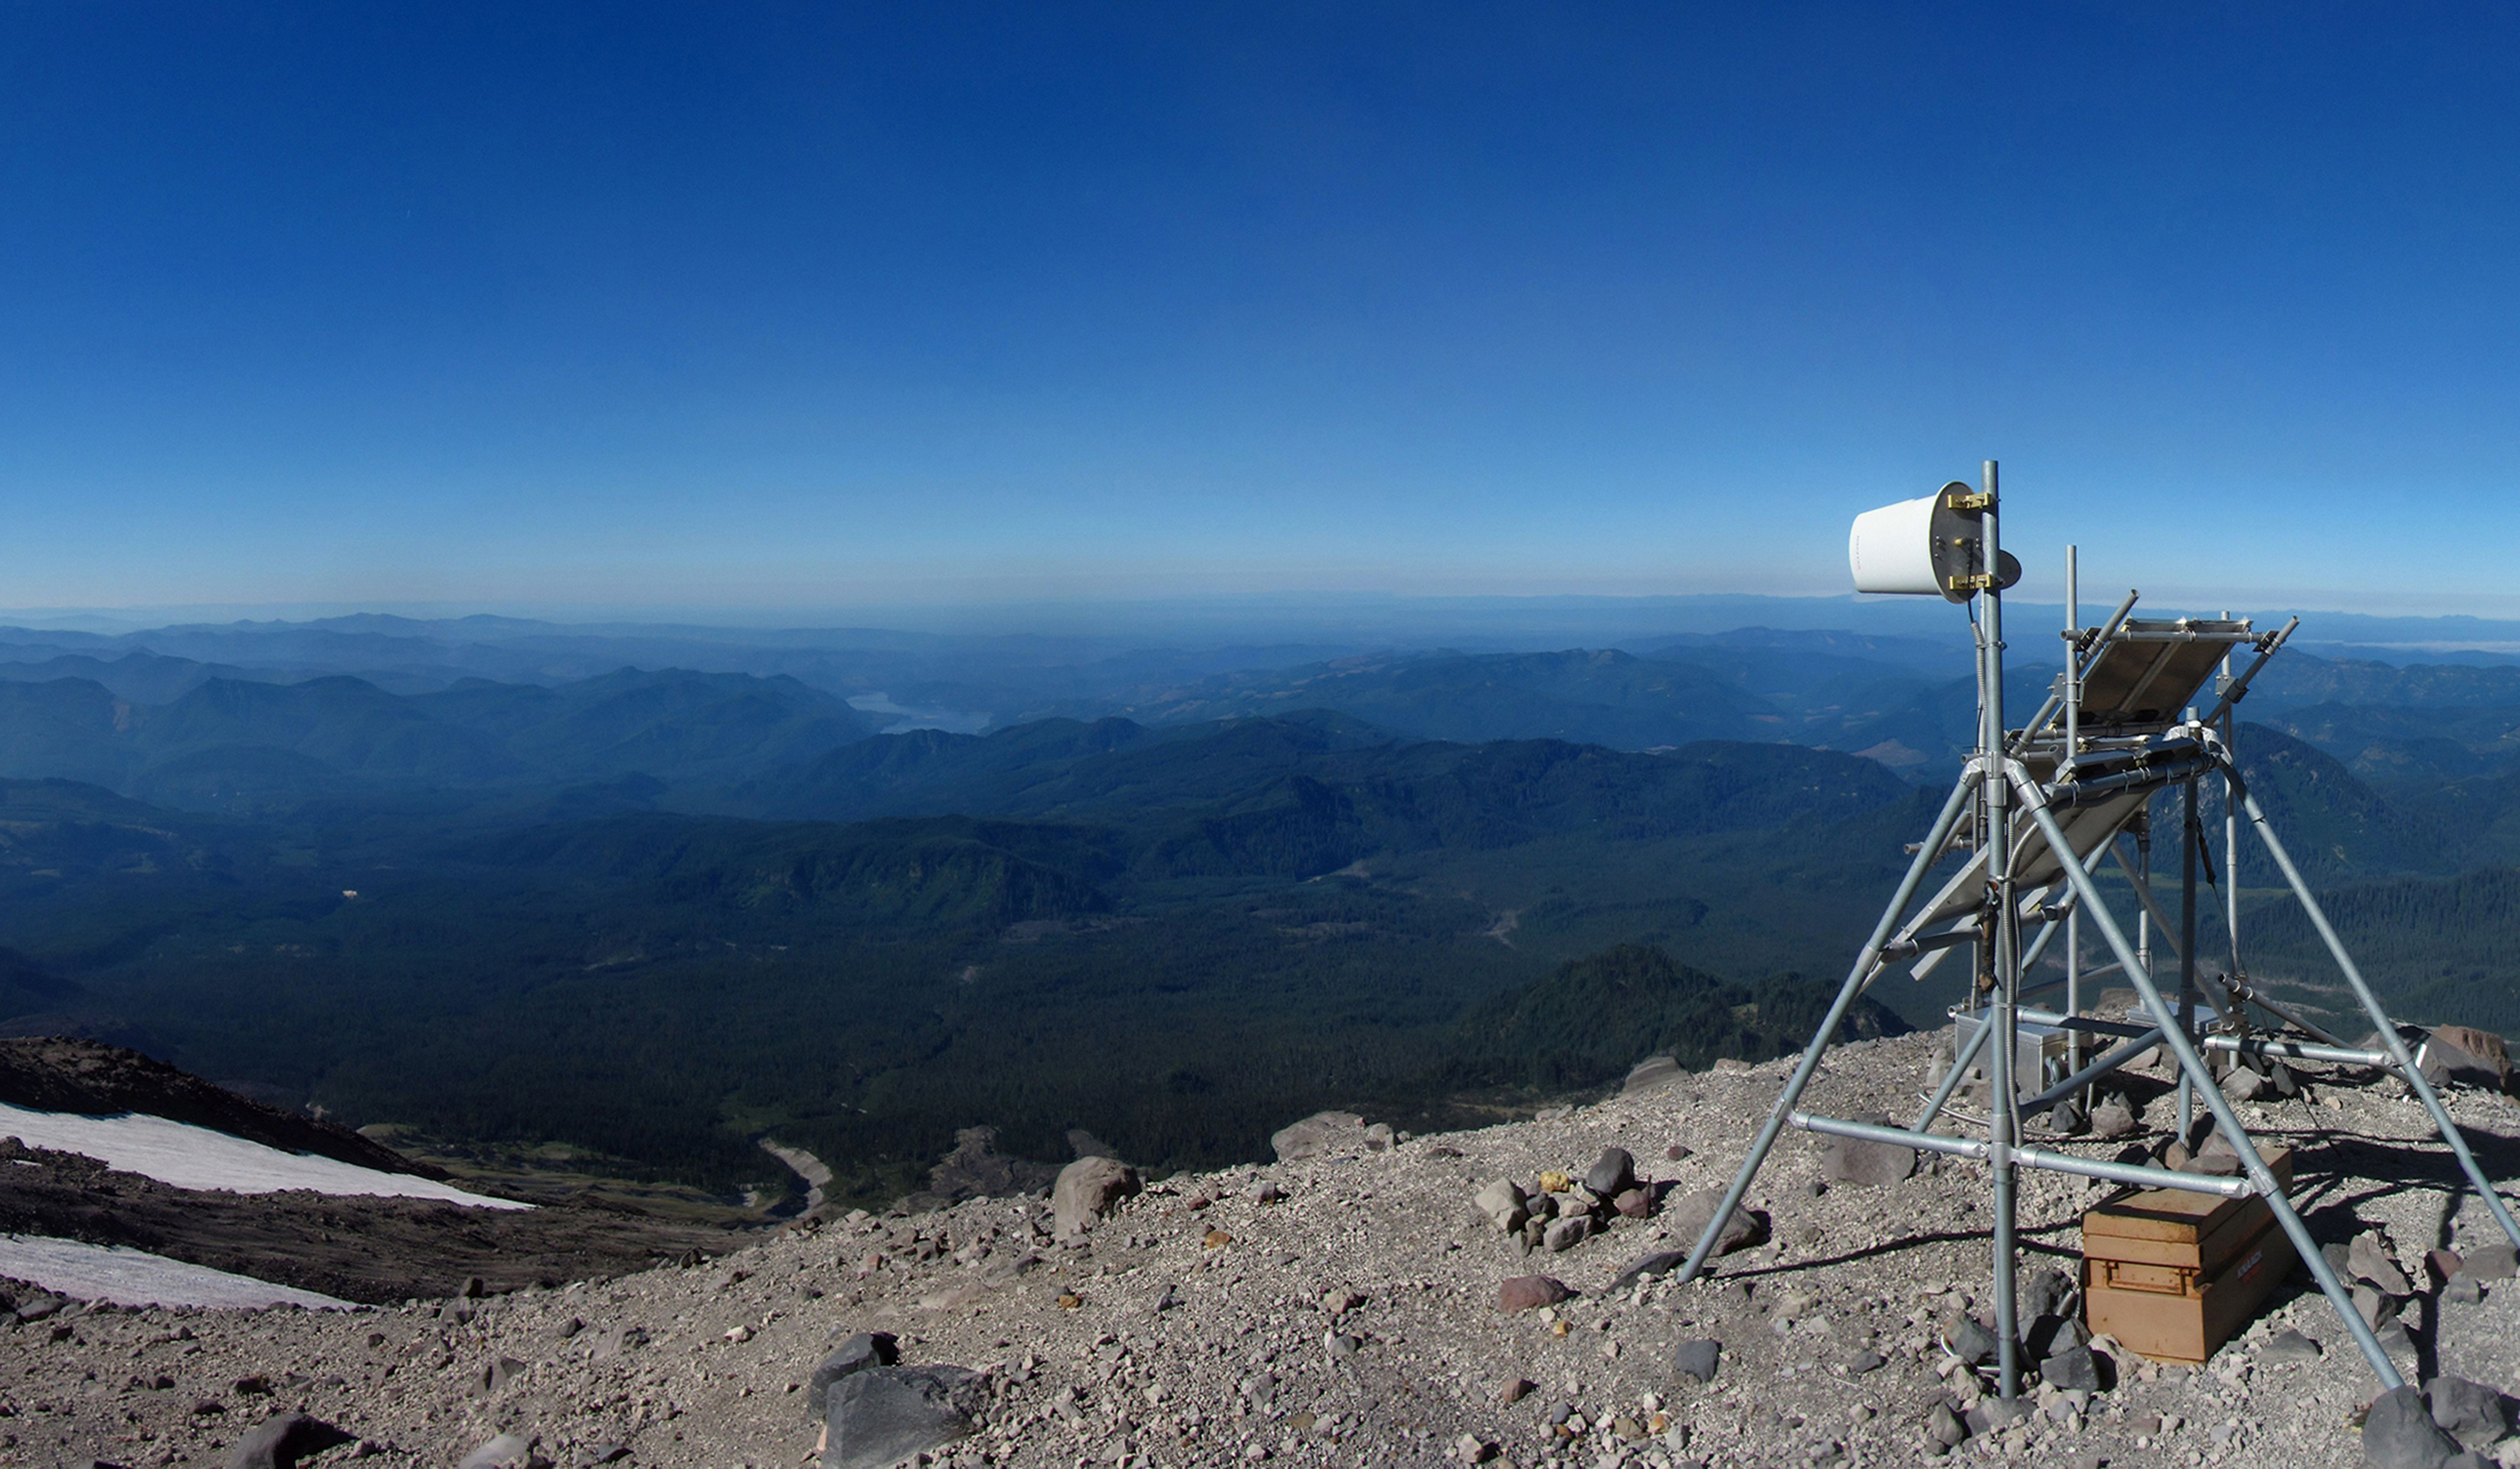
(1345, 1308)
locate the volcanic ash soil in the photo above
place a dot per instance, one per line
(1344, 1309)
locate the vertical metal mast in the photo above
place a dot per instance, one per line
(2065, 773)
(2002, 939)
(2231, 822)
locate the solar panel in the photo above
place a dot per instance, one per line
(2151, 670)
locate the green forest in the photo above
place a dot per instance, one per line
(658, 916)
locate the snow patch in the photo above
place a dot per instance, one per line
(193, 1157)
(135, 1277)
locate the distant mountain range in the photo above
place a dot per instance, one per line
(653, 910)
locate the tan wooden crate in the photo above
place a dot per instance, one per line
(2172, 1274)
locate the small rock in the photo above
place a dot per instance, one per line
(2368, 1259)
(866, 1349)
(617, 1341)
(1659, 1263)
(2042, 1293)
(1944, 1426)
(1698, 1359)
(2398, 1432)
(36, 1308)
(1087, 1190)
(2113, 1118)
(1848, 1160)
(1612, 1174)
(1970, 1342)
(279, 1442)
(1633, 1203)
(2461, 1289)
(1515, 1390)
(881, 1416)
(2244, 1085)
(506, 1451)
(1861, 1360)
(1568, 1233)
(1268, 1193)
(1470, 1449)
(2049, 1333)
(2473, 1413)
(499, 1372)
(2290, 1346)
(2495, 1262)
(2442, 1264)
(1676, 1152)
(1502, 1202)
(2073, 1370)
(1338, 1303)
(1530, 1293)
(1689, 1217)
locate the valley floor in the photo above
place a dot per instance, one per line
(1355, 1322)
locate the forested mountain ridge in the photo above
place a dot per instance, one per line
(652, 914)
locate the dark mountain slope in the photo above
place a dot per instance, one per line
(1589, 1020)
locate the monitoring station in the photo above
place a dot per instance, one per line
(2039, 810)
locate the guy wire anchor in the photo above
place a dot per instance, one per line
(2044, 806)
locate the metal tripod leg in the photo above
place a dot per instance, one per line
(2395, 1043)
(2192, 1066)
(1856, 979)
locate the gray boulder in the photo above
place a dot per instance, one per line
(1649, 1073)
(1568, 1233)
(1086, 1191)
(1945, 1426)
(866, 1349)
(1848, 1160)
(1504, 1204)
(1692, 1215)
(883, 1416)
(506, 1451)
(278, 1442)
(2244, 1085)
(2368, 1259)
(2113, 1118)
(2398, 1432)
(1970, 1342)
(1612, 1174)
(1321, 1133)
(2496, 1262)
(2470, 1411)
(2042, 1293)
(2464, 1054)
(1698, 1359)
(2074, 1367)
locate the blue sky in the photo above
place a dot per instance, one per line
(809, 306)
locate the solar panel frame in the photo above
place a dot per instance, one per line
(2152, 670)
